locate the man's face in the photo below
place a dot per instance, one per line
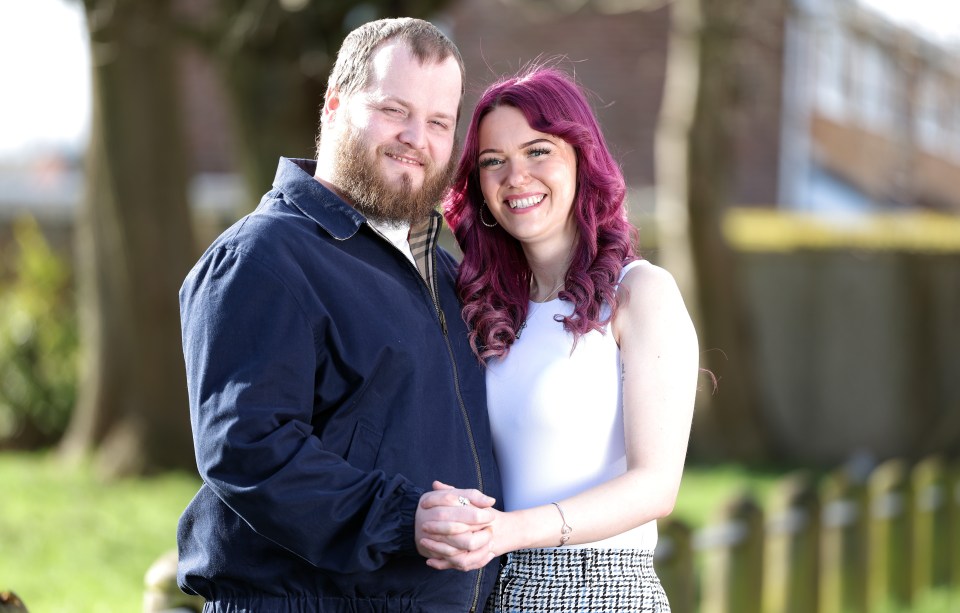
(394, 138)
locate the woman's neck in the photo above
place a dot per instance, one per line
(548, 271)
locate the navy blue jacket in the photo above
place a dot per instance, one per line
(327, 391)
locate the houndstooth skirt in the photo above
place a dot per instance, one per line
(572, 580)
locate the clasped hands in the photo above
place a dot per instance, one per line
(454, 535)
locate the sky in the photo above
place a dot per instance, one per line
(44, 67)
(44, 76)
(938, 18)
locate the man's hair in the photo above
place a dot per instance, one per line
(427, 43)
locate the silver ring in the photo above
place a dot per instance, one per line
(463, 501)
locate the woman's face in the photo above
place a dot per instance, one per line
(528, 179)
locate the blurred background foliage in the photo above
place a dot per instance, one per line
(38, 341)
(770, 178)
(794, 164)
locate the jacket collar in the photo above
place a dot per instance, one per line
(340, 220)
(295, 179)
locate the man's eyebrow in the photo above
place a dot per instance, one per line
(522, 145)
(391, 99)
(406, 104)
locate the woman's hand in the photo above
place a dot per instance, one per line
(454, 528)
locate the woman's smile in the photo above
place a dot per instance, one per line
(528, 178)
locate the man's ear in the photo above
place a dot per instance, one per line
(331, 104)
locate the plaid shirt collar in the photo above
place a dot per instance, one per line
(423, 241)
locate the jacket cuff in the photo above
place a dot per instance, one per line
(409, 499)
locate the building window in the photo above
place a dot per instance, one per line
(928, 116)
(831, 74)
(877, 98)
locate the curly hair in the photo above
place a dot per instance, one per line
(494, 277)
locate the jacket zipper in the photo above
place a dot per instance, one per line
(463, 407)
(456, 384)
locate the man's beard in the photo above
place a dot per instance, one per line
(358, 177)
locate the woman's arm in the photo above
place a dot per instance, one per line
(659, 356)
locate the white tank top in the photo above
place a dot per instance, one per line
(557, 416)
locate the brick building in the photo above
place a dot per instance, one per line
(874, 112)
(839, 109)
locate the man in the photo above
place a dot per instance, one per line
(329, 373)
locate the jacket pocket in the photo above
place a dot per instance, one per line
(364, 446)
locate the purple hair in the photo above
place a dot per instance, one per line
(494, 278)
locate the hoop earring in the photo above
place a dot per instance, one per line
(482, 220)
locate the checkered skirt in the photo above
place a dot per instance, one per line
(578, 580)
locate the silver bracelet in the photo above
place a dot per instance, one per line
(565, 530)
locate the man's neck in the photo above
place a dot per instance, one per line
(319, 175)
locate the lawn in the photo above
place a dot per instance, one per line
(704, 490)
(69, 543)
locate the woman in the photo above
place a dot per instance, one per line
(591, 357)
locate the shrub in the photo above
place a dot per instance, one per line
(38, 341)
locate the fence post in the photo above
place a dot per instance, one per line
(733, 549)
(161, 593)
(843, 561)
(791, 556)
(890, 546)
(931, 528)
(673, 560)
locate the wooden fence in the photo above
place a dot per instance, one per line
(848, 543)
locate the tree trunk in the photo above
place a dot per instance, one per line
(274, 59)
(695, 165)
(135, 245)
(276, 112)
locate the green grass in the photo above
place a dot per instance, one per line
(69, 543)
(936, 601)
(705, 489)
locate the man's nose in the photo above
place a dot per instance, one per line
(414, 134)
